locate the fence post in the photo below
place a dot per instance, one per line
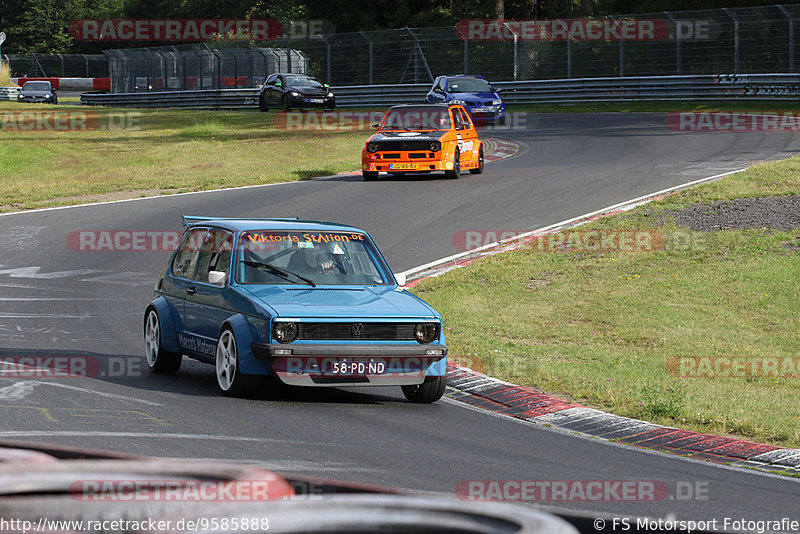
(791, 37)
(466, 55)
(516, 41)
(678, 55)
(735, 39)
(369, 44)
(621, 52)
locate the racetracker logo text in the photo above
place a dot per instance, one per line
(173, 490)
(565, 490)
(174, 30)
(125, 240)
(66, 121)
(563, 30)
(37, 367)
(730, 121)
(734, 367)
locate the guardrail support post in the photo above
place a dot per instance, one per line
(516, 48)
(791, 37)
(678, 55)
(370, 47)
(466, 56)
(735, 39)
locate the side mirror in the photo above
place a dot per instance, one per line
(278, 84)
(216, 277)
(497, 90)
(401, 278)
(325, 85)
(438, 90)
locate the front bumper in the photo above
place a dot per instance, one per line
(312, 102)
(486, 113)
(311, 364)
(35, 99)
(416, 161)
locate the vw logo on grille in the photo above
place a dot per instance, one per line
(357, 329)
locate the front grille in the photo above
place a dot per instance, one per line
(344, 331)
(404, 145)
(417, 155)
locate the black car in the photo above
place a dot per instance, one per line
(295, 91)
(38, 91)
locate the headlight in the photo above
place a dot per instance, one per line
(330, 95)
(435, 146)
(496, 102)
(284, 332)
(457, 102)
(426, 332)
(372, 147)
(294, 94)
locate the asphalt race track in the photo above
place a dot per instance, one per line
(57, 301)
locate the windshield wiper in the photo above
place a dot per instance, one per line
(280, 272)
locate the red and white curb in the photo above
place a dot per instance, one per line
(501, 149)
(71, 84)
(526, 403)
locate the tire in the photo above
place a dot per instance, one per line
(503, 120)
(479, 170)
(286, 104)
(456, 172)
(262, 103)
(226, 365)
(369, 176)
(159, 361)
(429, 391)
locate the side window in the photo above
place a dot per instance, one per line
(215, 254)
(186, 257)
(456, 119)
(465, 123)
(442, 82)
(271, 80)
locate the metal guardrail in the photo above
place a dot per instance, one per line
(9, 93)
(572, 90)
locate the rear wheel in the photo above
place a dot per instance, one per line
(230, 380)
(456, 172)
(158, 359)
(429, 391)
(369, 176)
(479, 169)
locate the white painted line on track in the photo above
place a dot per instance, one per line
(20, 390)
(629, 204)
(154, 435)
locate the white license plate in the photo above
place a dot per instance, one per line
(349, 367)
(317, 101)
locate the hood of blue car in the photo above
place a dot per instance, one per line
(472, 98)
(345, 302)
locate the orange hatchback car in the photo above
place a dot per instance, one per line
(421, 138)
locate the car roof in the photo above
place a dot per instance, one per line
(243, 225)
(442, 106)
(291, 74)
(465, 76)
(37, 81)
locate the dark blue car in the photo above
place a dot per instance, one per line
(309, 303)
(482, 101)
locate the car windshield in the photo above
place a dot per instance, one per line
(301, 81)
(416, 118)
(321, 257)
(36, 86)
(468, 85)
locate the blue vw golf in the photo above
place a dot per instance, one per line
(310, 303)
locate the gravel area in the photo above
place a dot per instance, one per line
(778, 213)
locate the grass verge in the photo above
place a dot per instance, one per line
(135, 152)
(605, 328)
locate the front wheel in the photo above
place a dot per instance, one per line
(230, 380)
(479, 169)
(456, 172)
(158, 359)
(369, 176)
(429, 391)
(262, 102)
(286, 104)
